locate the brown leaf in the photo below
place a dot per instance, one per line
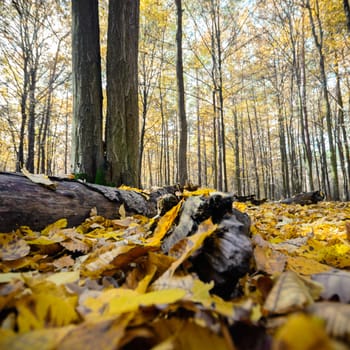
(39, 179)
(269, 260)
(288, 294)
(112, 257)
(12, 247)
(75, 245)
(347, 229)
(64, 261)
(104, 334)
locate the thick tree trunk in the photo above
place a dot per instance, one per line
(23, 202)
(122, 123)
(87, 150)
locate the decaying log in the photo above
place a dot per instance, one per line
(225, 255)
(23, 202)
(250, 198)
(305, 198)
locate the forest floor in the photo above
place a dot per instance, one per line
(106, 284)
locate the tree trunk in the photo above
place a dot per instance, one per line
(23, 202)
(347, 13)
(182, 169)
(238, 183)
(318, 39)
(87, 149)
(31, 118)
(122, 124)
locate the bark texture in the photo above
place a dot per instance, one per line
(122, 123)
(182, 153)
(23, 202)
(87, 149)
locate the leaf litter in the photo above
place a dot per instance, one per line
(108, 284)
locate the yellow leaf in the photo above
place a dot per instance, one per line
(10, 276)
(144, 283)
(302, 332)
(94, 304)
(127, 303)
(164, 224)
(64, 277)
(305, 266)
(187, 246)
(55, 227)
(183, 334)
(45, 310)
(122, 211)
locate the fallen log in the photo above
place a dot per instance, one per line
(305, 198)
(23, 202)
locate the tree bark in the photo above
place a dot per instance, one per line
(182, 169)
(122, 123)
(87, 150)
(25, 203)
(347, 13)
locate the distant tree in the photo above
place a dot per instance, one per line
(87, 149)
(122, 123)
(347, 13)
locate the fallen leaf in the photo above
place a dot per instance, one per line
(64, 277)
(43, 339)
(64, 261)
(12, 247)
(269, 260)
(112, 257)
(39, 179)
(304, 266)
(336, 283)
(45, 310)
(288, 294)
(302, 332)
(164, 225)
(131, 303)
(336, 316)
(179, 334)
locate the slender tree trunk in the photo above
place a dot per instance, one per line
(318, 39)
(182, 168)
(31, 119)
(238, 183)
(87, 149)
(205, 165)
(199, 153)
(255, 163)
(215, 152)
(343, 146)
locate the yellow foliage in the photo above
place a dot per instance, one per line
(302, 332)
(44, 310)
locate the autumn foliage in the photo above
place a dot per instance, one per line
(107, 284)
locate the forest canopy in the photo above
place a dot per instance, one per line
(266, 83)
